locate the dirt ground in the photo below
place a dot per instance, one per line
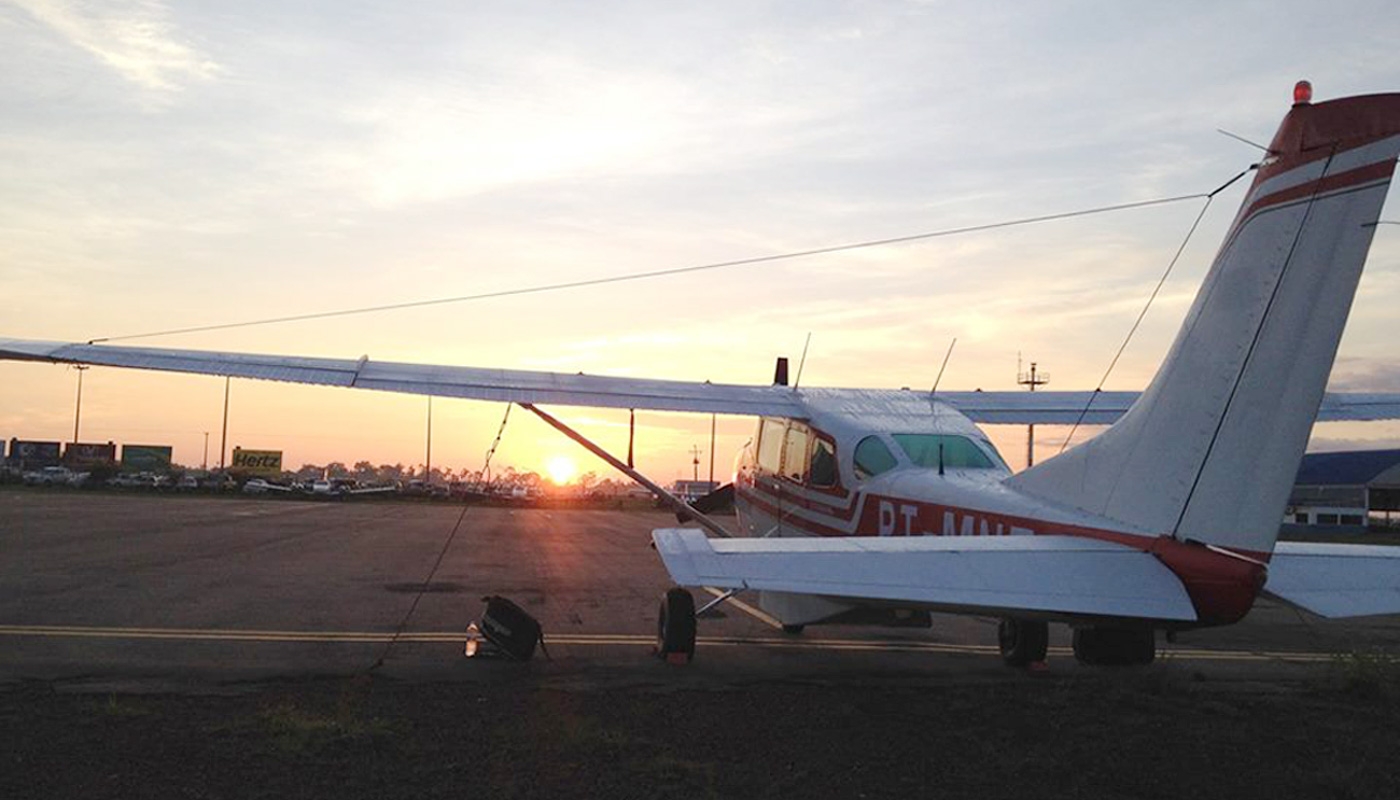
(1162, 732)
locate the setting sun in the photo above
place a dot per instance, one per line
(561, 469)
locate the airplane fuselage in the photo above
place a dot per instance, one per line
(917, 467)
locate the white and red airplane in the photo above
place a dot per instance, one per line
(855, 501)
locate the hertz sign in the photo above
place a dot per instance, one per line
(257, 462)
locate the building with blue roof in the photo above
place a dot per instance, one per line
(1345, 489)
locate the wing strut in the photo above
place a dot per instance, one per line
(678, 505)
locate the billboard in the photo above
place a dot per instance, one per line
(146, 457)
(33, 455)
(257, 462)
(89, 454)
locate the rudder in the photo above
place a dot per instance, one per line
(1210, 450)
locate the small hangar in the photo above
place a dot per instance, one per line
(1345, 489)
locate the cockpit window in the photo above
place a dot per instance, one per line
(959, 452)
(872, 457)
(795, 453)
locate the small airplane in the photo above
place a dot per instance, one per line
(892, 503)
(344, 487)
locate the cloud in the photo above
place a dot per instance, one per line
(136, 39)
(1356, 374)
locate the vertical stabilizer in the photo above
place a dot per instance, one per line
(1210, 450)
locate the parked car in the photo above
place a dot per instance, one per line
(51, 476)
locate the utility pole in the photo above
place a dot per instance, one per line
(712, 448)
(428, 467)
(223, 440)
(204, 465)
(1030, 380)
(695, 462)
(78, 411)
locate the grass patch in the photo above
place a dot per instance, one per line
(1371, 673)
(122, 708)
(292, 729)
(298, 726)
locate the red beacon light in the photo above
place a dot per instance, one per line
(1302, 93)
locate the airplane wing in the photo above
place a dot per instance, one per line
(1336, 580)
(525, 386)
(1054, 575)
(1104, 408)
(1358, 407)
(501, 385)
(1037, 408)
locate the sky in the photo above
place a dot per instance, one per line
(183, 164)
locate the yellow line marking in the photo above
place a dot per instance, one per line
(606, 640)
(748, 609)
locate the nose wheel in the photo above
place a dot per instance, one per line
(675, 627)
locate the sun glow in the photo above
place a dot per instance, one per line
(561, 470)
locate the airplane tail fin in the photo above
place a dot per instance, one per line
(1210, 450)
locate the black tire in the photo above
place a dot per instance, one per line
(794, 630)
(1022, 641)
(675, 625)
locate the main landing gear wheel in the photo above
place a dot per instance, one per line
(675, 627)
(1115, 647)
(1022, 641)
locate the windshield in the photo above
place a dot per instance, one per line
(873, 458)
(959, 452)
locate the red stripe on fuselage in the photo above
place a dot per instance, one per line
(881, 515)
(841, 508)
(781, 510)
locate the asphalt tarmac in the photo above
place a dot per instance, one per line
(102, 591)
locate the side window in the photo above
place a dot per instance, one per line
(795, 453)
(873, 458)
(823, 472)
(770, 446)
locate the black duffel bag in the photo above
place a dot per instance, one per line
(508, 627)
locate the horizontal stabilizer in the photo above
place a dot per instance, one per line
(1336, 580)
(1052, 575)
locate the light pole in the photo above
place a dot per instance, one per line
(223, 440)
(428, 467)
(712, 448)
(78, 411)
(204, 465)
(1031, 380)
